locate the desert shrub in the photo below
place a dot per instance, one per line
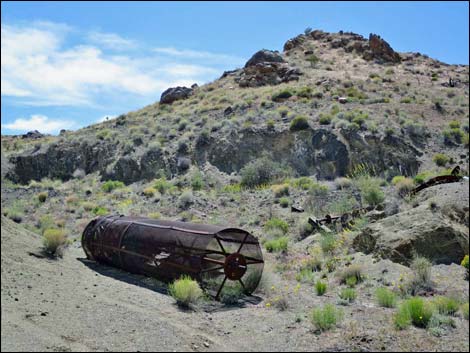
(155, 215)
(320, 288)
(300, 122)
(88, 206)
(325, 119)
(185, 200)
(313, 60)
(385, 297)
(110, 185)
(270, 124)
(343, 183)
(304, 92)
(404, 186)
(327, 242)
(326, 317)
(42, 196)
(351, 271)
(406, 100)
(305, 275)
(372, 194)
(100, 211)
(440, 159)
(53, 239)
(305, 229)
(162, 185)
(149, 191)
(280, 190)
(421, 278)
(454, 124)
(348, 295)
(276, 223)
(446, 305)
(464, 263)
(413, 311)
(260, 171)
(232, 293)
(197, 183)
(185, 291)
(351, 281)
(277, 245)
(281, 95)
(284, 202)
(464, 310)
(303, 183)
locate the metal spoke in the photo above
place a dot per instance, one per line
(220, 289)
(243, 242)
(244, 288)
(221, 246)
(212, 269)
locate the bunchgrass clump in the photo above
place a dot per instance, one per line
(320, 287)
(277, 245)
(348, 295)
(53, 240)
(110, 185)
(414, 311)
(464, 310)
(276, 223)
(185, 291)
(42, 196)
(326, 317)
(328, 242)
(440, 159)
(385, 297)
(284, 202)
(349, 272)
(446, 305)
(231, 294)
(300, 122)
(421, 279)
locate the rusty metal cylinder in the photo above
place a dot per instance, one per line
(167, 250)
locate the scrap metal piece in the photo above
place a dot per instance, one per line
(296, 209)
(167, 250)
(441, 179)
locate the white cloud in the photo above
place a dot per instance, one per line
(194, 54)
(39, 122)
(111, 41)
(39, 67)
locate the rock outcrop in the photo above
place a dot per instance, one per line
(440, 235)
(381, 50)
(32, 135)
(175, 93)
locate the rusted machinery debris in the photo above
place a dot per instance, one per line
(296, 209)
(441, 179)
(346, 218)
(167, 250)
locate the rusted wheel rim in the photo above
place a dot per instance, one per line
(235, 266)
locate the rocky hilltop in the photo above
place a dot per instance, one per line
(362, 102)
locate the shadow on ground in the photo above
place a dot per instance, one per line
(160, 287)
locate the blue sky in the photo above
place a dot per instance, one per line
(69, 64)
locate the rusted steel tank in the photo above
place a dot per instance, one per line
(167, 249)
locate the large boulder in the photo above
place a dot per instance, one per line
(264, 56)
(175, 93)
(267, 73)
(436, 229)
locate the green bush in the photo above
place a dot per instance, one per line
(454, 124)
(185, 291)
(325, 119)
(351, 271)
(100, 211)
(413, 311)
(385, 297)
(276, 223)
(464, 309)
(284, 202)
(110, 185)
(277, 245)
(280, 190)
(261, 171)
(42, 196)
(348, 294)
(320, 287)
(282, 95)
(162, 185)
(149, 191)
(421, 268)
(185, 200)
(464, 263)
(404, 186)
(300, 122)
(326, 317)
(373, 195)
(327, 242)
(440, 159)
(53, 239)
(232, 293)
(446, 305)
(197, 183)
